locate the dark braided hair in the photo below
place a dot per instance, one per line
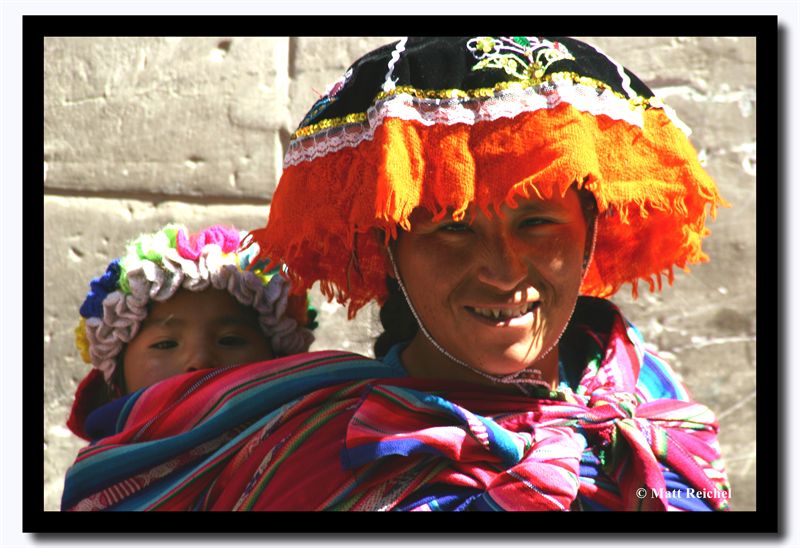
(399, 324)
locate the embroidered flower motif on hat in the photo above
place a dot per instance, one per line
(326, 100)
(337, 86)
(515, 55)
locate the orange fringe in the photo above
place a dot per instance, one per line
(328, 214)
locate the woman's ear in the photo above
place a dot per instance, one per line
(388, 264)
(588, 252)
(589, 206)
(383, 243)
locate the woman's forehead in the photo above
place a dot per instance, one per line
(570, 201)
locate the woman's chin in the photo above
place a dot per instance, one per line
(511, 360)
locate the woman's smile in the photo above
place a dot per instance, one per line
(505, 316)
(518, 310)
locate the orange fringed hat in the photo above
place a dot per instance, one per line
(450, 123)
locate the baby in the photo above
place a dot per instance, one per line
(179, 302)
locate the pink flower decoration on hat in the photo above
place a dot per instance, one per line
(189, 248)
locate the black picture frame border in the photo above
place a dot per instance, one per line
(769, 517)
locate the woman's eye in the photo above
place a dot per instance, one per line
(164, 345)
(232, 340)
(454, 227)
(536, 221)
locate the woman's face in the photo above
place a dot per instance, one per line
(192, 331)
(496, 292)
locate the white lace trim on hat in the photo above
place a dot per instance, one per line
(506, 103)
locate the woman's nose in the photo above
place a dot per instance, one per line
(502, 265)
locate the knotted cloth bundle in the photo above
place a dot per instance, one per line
(337, 431)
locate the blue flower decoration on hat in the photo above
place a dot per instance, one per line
(99, 288)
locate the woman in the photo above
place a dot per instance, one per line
(489, 192)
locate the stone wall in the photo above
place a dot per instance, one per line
(143, 131)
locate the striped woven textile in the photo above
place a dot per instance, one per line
(337, 431)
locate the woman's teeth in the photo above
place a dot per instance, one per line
(504, 313)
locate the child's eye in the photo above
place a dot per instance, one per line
(232, 340)
(164, 345)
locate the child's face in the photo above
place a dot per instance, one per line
(193, 331)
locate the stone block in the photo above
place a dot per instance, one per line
(739, 452)
(336, 331)
(332, 52)
(705, 64)
(196, 116)
(723, 376)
